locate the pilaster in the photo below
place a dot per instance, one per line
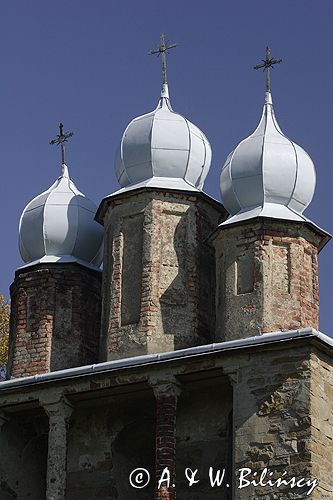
(59, 413)
(166, 392)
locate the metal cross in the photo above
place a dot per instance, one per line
(163, 49)
(61, 139)
(268, 63)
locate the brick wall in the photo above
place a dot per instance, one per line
(165, 444)
(267, 277)
(55, 318)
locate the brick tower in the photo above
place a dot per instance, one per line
(56, 296)
(158, 279)
(158, 291)
(267, 252)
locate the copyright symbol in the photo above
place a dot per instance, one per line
(139, 478)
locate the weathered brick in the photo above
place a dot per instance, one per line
(56, 318)
(267, 285)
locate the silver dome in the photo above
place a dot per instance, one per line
(267, 174)
(163, 148)
(58, 226)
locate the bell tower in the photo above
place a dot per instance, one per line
(159, 273)
(267, 251)
(56, 295)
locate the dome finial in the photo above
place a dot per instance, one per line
(163, 49)
(268, 63)
(61, 139)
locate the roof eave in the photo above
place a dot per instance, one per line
(275, 338)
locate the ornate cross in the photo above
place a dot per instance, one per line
(61, 139)
(268, 63)
(163, 48)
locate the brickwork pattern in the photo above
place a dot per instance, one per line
(267, 278)
(166, 394)
(55, 319)
(166, 443)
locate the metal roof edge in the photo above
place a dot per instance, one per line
(32, 266)
(138, 361)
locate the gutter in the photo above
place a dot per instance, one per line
(153, 359)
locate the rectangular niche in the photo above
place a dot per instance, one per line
(281, 267)
(308, 263)
(131, 274)
(245, 272)
(173, 259)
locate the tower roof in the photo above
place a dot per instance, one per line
(162, 148)
(268, 173)
(58, 226)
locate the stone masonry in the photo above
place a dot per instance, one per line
(283, 422)
(321, 417)
(250, 406)
(158, 284)
(269, 403)
(266, 277)
(55, 318)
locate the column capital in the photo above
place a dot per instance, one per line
(165, 386)
(57, 407)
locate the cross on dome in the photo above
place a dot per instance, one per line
(268, 63)
(162, 50)
(58, 225)
(267, 174)
(162, 149)
(60, 140)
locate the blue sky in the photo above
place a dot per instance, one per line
(85, 62)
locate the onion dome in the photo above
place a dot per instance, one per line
(163, 149)
(267, 174)
(58, 226)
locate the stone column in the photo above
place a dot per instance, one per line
(166, 392)
(59, 413)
